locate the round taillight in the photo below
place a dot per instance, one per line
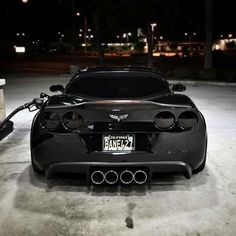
(72, 120)
(49, 120)
(165, 120)
(187, 120)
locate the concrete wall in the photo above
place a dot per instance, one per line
(2, 102)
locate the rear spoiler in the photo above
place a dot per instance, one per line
(108, 103)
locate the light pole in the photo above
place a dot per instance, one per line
(126, 36)
(153, 25)
(85, 34)
(85, 31)
(190, 41)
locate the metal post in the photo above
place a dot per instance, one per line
(2, 102)
(85, 34)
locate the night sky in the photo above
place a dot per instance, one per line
(44, 18)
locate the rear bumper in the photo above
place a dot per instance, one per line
(151, 167)
(168, 152)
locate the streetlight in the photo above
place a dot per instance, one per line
(24, 1)
(85, 31)
(153, 25)
(190, 41)
(126, 36)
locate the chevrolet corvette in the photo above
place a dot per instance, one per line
(118, 125)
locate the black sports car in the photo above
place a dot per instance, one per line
(118, 125)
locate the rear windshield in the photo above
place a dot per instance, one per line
(118, 85)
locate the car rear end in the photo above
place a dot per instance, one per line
(119, 140)
(118, 125)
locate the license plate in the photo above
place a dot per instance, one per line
(118, 143)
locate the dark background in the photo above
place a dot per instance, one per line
(43, 18)
(37, 23)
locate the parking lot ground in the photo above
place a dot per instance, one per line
(172, 205)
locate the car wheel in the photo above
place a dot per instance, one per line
(201, 167)
(36, 169)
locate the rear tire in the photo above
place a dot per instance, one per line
(36, 169)
(201, 167)
(203, 164)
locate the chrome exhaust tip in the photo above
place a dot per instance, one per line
(97, 177)
(140, 177)
(111, 177)
(126, 177)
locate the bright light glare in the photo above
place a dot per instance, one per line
(230, 35)
(24, 1)
(153, 25)
(19, 49)
(77, 14)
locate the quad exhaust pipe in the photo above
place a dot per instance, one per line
(140, 177)
(97, 177)
(126, 177)
(111, 177)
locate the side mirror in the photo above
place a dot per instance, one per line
(178, 88)
(56, 88)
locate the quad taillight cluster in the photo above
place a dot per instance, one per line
(73, 120)
(186, 120)
(69, 120)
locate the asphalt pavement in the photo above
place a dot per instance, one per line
(173, 205)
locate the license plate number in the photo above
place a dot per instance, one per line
(118, 143)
